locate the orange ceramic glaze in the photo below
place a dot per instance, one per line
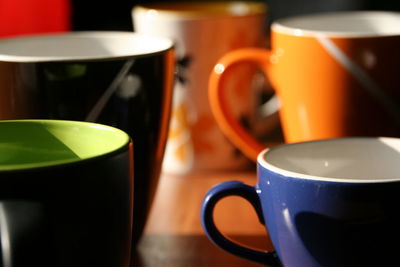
(218, 104)
(306, 79)
(330, 83)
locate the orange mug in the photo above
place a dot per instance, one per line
(334, 74)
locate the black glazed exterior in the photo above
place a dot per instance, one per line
(74, 214)
(130, 92)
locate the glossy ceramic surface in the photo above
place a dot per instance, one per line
(53, 211)
(203, 32)
(334, 74)
(41, 143)
(121, 79)
(344, 215)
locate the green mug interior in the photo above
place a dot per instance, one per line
(39, 143)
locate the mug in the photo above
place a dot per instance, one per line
(203, 32)
(330, 202)
(66, 194)
(23, 17)
(334, 74)
(121, 79)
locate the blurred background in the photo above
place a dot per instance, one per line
(38, 16)
(115, 15)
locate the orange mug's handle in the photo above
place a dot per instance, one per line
(227, 122)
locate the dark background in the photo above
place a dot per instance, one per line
(116, 14)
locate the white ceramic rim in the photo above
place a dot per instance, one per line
(291, 26)
(54, 47)
(237, 9)
(262, 160)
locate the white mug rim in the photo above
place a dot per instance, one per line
(289, 25)
(263, 162)
(197, 10)
(49, 47)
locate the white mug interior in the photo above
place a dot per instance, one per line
(341, 24)
(352, 159)
(86, 45)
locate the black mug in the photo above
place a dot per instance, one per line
(121, 79)
(66, 194)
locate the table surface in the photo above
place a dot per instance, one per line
(174, 236)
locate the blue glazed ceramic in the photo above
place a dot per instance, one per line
(324, 203)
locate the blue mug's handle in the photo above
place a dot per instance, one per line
(218, 192)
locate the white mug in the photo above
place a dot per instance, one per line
(203, 32)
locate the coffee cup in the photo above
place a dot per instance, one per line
(121, 79)
(66, 194)
(21, 18)
(330, 202)
(334, 74)
(203, 32)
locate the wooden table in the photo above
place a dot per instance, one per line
(174, 236)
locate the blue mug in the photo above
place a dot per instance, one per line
(330, 202)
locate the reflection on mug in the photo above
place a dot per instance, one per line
(330, 202)
(203, 32)
(121, 79)
(61, 184)
(331, 80)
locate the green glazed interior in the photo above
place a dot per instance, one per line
(39, 143)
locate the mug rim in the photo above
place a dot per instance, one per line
(147, 45)
(198, 10)
(286, 25)
(123, 143)
(263, 162)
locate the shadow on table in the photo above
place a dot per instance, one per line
(190, 250)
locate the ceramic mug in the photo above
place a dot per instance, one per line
(203, 32)
(66, 194)
(22, 17)
(121, 79)
(335, 75)
(330, 202)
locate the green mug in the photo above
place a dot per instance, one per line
(66, 194)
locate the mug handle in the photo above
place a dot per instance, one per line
(213, 196)
(227, 122)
